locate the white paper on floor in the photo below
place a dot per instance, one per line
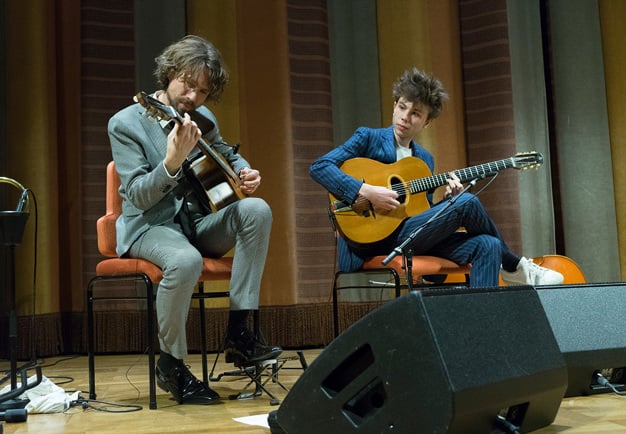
(258, 420)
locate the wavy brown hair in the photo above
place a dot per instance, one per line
(189, 57)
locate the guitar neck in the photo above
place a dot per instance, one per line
(155, 108)
(208, 150)
(465, 175)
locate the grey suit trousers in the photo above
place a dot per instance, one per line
(244, 225)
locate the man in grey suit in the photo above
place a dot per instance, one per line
(169, 225)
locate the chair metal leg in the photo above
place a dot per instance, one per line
(151, 340)
(335, 307)
(150, 334)
(205, 370)
(397, 291)
(90, 337)
(302, 359)
(396, 280)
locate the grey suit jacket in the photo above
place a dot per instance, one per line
(148, 192)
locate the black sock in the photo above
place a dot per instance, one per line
(168, 362)
(237, 322)
(510, 262)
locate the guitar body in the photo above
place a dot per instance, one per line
(363, 225)
(217, 187)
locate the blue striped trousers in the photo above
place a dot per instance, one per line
(480, 244)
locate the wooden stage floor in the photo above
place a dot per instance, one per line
(123, 380)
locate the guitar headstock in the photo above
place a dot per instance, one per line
(155, 108)
(527, 160)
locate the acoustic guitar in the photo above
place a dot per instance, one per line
(211, 177)
(361, 223)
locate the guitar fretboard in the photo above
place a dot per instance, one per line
(466, 174)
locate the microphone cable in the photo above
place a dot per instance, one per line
(504, 425)
(33, 346)
(604, 382)
(104, 406)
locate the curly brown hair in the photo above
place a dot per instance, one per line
(188, 58)
(417, 86)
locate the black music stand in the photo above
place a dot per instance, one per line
(12, 224)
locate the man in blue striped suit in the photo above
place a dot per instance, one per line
(418, 99)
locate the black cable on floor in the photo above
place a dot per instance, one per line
(104, 406)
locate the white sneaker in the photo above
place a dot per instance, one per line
(529, 273)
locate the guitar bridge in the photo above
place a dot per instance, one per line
(364, 208)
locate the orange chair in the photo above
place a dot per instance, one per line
(133, 270)
(425, 271)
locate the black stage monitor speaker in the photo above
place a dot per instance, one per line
(588, 323)
(435, 361)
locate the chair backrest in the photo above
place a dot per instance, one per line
(105, 226)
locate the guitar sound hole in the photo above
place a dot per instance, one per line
(398, 187)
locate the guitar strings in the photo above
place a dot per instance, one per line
(434, 181)
(452, 207)
(402, 190)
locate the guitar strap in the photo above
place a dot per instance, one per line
(198, 193)
(186, 221)
(196, 203)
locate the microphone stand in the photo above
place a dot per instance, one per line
(398, 250)
(12, 225)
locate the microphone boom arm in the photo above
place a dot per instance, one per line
(399, 250)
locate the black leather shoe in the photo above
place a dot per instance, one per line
(184, 386)
(245, 348)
